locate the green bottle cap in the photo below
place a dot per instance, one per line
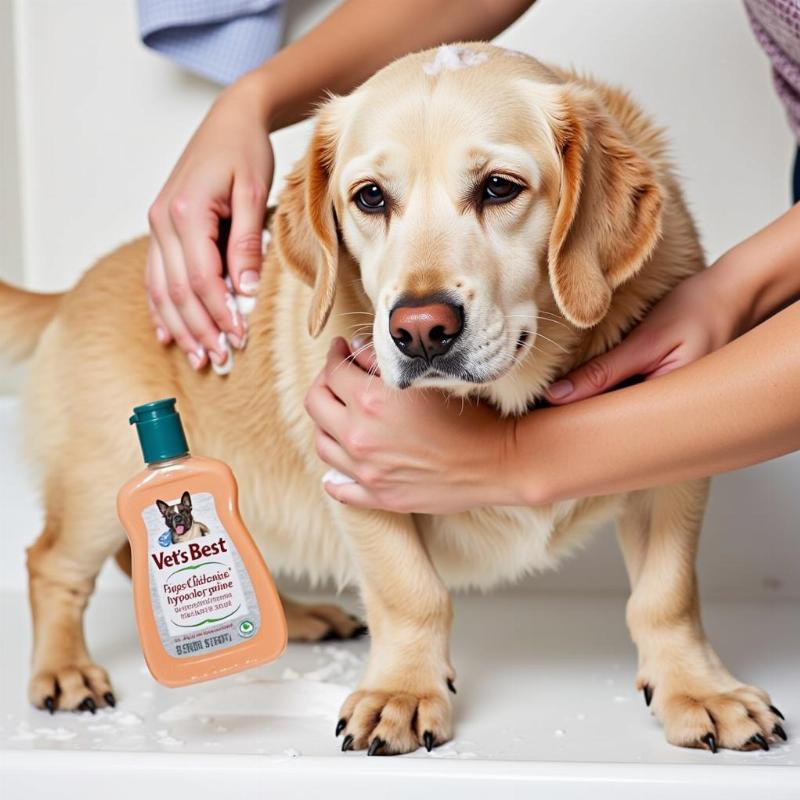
(160, 431)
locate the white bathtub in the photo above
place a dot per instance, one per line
(545, 705)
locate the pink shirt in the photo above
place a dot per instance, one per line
(776, 24)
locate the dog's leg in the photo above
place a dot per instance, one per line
(319, 622)
(62, 566)
(403, 700)
(688, 688)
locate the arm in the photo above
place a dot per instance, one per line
(742, 288)
(737, 405)
(360, 37)
(226, 170)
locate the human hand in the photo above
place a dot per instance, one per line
(224, 173)
(409, 451)
(694, 319)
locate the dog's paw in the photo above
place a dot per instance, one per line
(316, 623)
(390, 723)
(694, 715)
(71, 687)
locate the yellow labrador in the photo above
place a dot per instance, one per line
(498, 222)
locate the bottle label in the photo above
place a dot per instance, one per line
(201, 594)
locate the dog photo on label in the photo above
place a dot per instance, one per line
(182, 525)
(534, 213)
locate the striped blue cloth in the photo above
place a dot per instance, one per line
(218, 39)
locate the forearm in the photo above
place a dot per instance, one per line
(761, 274)
(361, 36)
(737, 406)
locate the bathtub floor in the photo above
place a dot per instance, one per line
(542, 680)
(545, 701)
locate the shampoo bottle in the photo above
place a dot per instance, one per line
(205, 603)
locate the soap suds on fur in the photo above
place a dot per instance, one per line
(449, 57)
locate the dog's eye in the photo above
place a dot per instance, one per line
(499, 190)
(370, 199)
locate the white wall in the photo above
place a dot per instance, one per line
(101, 120)
(9, 154)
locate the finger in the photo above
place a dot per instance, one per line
(159, 295)
(333, 454)
(364, 354)
(603, 372)
(198, 231)
(189, 307)
(351, 494)
(245, 256)
(162, 331)
(343, 377)
(326, 410)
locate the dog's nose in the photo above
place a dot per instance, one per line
(425, 331)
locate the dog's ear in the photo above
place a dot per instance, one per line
(186, 500)
(608, 218)
(305, 231)
(162, 507)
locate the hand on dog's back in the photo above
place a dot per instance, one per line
(223, 175)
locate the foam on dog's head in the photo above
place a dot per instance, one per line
(451, 57)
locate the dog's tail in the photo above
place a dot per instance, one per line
(23, 318)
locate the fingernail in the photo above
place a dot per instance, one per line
(237, 341)
(248, 283)
(561, 389)
(336, 478)
(222, 358)
(358, 342)
(196, 358)
(217, 359)
(162, 335)
(230, 302)
(245, 304)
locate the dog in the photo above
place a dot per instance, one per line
(534, 214)
(181, 524)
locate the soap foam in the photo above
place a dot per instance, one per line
(296, 698)
(449, 57)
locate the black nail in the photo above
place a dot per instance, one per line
(50, 704)
(760, 741)
(375, 745)
(88, 704)
(341, 725)
(361, 630)
(776, 712)
(451, 686)
(710, 742)
(779, 731)
(427, 739)
(648, 694)
(110, 699)
(331, 636)
(347, 743)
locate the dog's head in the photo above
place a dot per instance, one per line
(471, 186)
(178, 517)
